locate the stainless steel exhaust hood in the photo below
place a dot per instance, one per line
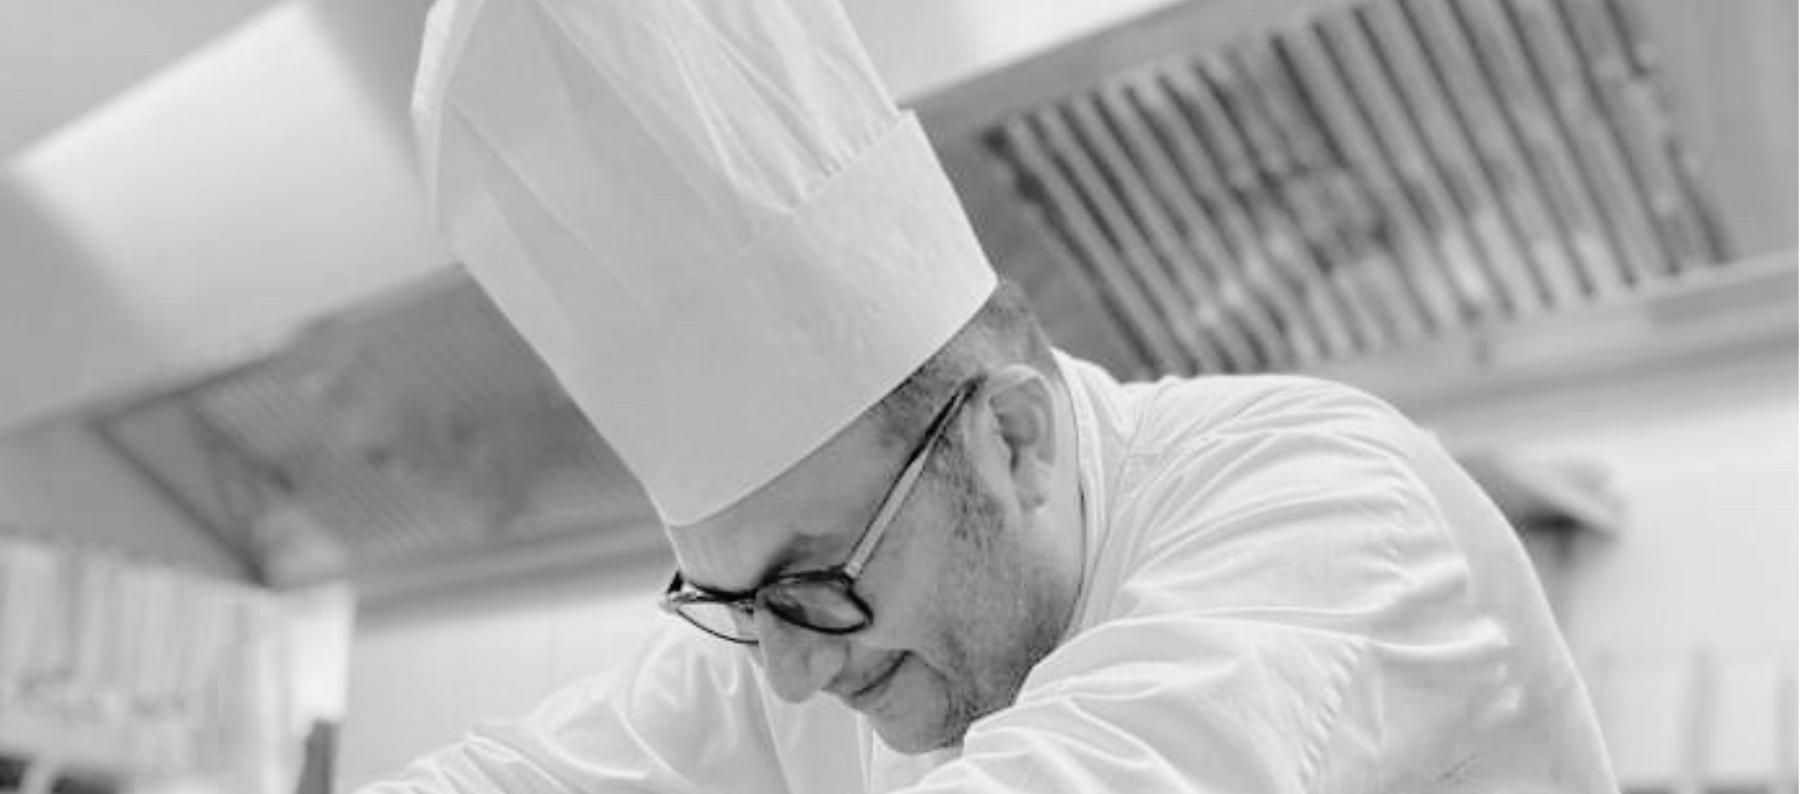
(418, 428)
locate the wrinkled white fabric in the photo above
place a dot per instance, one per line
(1288, 588)
(672, 199)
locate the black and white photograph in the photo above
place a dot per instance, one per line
(899, 396)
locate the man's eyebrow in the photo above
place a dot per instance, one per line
(799, 548)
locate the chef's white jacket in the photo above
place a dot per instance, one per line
(1288, 588)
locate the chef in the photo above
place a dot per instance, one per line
(919, 549)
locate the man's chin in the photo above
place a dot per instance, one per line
(908, 738)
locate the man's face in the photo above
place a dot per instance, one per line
(965, 595)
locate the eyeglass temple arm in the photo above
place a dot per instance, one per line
(860, 555)
(903, 487)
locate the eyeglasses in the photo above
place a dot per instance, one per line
(822, 600)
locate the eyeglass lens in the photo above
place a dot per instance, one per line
(820, 606)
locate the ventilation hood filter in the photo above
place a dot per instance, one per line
(1339, 182)
(396, 434)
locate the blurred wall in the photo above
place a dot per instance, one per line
(424, 671)
(1685, 621)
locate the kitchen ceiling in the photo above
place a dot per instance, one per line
(60, 58)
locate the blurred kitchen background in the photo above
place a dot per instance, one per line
(285, 503)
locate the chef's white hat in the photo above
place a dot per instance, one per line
(706, 215)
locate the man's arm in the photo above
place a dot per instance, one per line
(685, 716)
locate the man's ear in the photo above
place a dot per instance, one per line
(1024, 412)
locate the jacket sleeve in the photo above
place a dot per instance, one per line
(1292, 613)
(684, 716)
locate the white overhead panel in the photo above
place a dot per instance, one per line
(206, 214)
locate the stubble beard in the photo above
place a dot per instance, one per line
(990, 657)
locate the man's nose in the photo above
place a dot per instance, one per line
(797, 662)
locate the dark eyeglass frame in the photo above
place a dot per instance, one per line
(841, 578)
